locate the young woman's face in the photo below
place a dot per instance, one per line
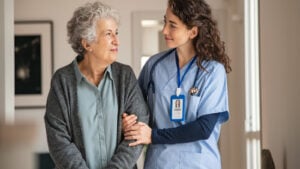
(105, 48)
(175, 31)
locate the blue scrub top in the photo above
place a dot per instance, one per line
(211, 98)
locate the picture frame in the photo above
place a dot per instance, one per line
(33, 62)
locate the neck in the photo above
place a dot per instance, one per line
(185, 55)
(92, 71)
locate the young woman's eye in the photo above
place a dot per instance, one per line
(172, 26)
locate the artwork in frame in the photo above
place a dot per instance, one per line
(33, 62)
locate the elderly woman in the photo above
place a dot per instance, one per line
(87, 97)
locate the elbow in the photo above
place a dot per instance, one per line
(206, 135)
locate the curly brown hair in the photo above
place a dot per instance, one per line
(207, 43)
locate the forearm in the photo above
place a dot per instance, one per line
(64, 153)
(125, 156)
(199, 129)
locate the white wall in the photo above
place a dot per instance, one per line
(150, 40)
(280, 44)
(232, 145)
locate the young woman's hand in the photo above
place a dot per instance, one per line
(128, 121)
(140, 132)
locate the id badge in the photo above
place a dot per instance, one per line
(177, 108)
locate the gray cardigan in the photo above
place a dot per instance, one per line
(63, 129)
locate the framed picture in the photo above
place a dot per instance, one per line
(33, 62)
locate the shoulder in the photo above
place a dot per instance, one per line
(122, 72)
(121, 68)
(65, 73)
(214, 72)
(157, 57)
(213, 67)
(123, 75)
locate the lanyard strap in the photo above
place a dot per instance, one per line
(179, 81)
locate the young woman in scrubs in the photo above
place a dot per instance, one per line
(192, 73)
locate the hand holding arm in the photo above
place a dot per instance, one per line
(199, 129)
(140, 132)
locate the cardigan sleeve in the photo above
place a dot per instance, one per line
(63, 150)
(133, 103)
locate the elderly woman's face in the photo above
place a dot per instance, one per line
(105, 48)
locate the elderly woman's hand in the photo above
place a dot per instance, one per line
(140, 132)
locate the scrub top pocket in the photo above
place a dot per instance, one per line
(192, 109)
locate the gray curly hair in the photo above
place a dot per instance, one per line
(83, 23)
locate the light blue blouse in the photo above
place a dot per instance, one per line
(211, 98)
(98, 113)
